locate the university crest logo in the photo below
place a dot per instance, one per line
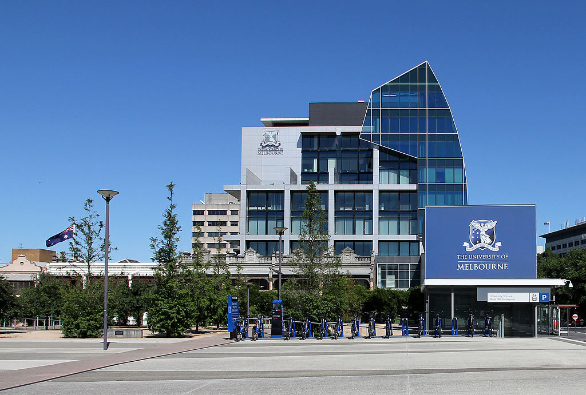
(270, 139)
(482, 235)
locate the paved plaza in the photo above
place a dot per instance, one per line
(214, 364)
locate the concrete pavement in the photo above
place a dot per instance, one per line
(398, 365)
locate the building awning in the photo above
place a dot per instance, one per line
(494, 282)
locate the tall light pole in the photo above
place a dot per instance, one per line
(280, 230)
(107, 194)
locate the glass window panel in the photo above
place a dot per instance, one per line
(327, 142)
(431, 175)
(404, 226)
(309, 163)
(449, 175)
(275, 200)
(440, 175)
(458, 175)
(414, 248)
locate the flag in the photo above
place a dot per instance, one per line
(546, 223)
(67, 234)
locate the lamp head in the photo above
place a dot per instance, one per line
(108, 194)
(280, 230)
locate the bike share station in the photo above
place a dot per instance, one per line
(480, 269)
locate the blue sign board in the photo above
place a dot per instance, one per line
(233, 313)
(544, 297)
(482, 242)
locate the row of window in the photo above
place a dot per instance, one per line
(570, 244)
(409, 124)
(421, 149)
(409, 96)
(331, 142)
(215, 212)
(215, 223)
(362, 248)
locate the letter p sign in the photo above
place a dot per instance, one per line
(544, 297)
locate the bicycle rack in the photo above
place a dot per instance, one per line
(388, 327)
(455, 326)
(405, 327)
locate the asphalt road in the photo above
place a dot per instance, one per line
(402, 365)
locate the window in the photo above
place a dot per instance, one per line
(353, 213)
(217, 212)
(398, 248)
(298, 206)
(265, 212)
(217, 223)
(198, 223)
(198, 212)
(233, 212)
(398, 213)
(362, 248)
(217, 234)
(233, 223)
(264, 248)
(392, 275)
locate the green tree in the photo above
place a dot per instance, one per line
(570, 267)
(46, 298)
(171, 308)
(318, 288)
(83, 311)
(8, 300)
(316, 264)
(88, 244)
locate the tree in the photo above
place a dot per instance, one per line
(171, 308)
(45, 299)
(88, 244)
(315, 260)
(571, 267)
(318, 286)
(8, 300)
(83, 311)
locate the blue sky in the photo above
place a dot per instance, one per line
(130, 95)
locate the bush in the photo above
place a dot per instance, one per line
(83, 311)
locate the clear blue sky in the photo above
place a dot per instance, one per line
(130, 95)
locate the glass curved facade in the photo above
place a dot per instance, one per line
(410, 120)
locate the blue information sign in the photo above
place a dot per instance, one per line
(233, 312)
(464, 242)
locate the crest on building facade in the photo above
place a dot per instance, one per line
(482, 235)
(270, 144)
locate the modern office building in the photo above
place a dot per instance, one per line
(563, 240)
(214, 219)
(377, 165)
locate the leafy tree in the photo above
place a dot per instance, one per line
(570, 267)
(318, 288)
(171, 307)
(88, 244)
(83, 314)
(46, 298)
(218, 287)
(8, 300)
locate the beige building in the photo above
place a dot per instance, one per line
(34, 254)
(213, 220)
(22, 272)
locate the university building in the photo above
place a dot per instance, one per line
(563, 240)
(377, 165)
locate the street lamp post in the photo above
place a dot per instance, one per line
(107, 194)
(280, 230)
